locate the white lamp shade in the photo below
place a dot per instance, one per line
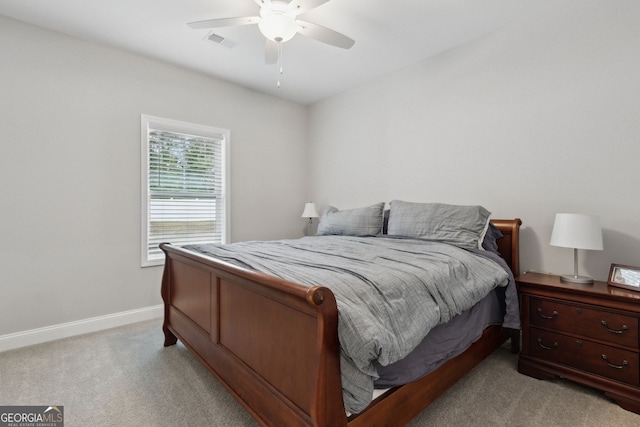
(310, 210)
(577, 231)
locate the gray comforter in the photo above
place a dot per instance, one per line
(390, 292)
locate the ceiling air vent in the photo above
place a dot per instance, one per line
(219, 40)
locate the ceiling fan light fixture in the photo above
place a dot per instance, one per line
(277, 25)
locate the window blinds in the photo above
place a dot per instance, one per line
(185, 183)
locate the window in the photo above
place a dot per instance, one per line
(184, 185)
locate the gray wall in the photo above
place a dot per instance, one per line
(70, 171)
(539, 118)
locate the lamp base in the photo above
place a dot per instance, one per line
(575, 279)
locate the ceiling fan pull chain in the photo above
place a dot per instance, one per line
(279, 62)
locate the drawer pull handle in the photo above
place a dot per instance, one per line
(613, 331)
(624, 363)
(554, 314)
(554, 345)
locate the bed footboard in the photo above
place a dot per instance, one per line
(273, 344)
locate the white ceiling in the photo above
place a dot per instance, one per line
(389, 35)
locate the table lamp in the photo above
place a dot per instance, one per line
(577, 231)
(310, 212)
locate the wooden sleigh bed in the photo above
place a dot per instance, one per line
(274, 345)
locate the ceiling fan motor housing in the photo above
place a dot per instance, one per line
(277, 22)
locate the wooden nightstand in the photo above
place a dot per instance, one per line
(587, 333)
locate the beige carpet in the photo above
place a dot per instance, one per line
(125, 377)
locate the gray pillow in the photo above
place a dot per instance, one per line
(490, 242)
(462, 226)
(352, 222)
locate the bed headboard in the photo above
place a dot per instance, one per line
(509, 245)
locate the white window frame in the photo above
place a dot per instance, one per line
(157, 123)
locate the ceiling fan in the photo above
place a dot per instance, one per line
(278, 23)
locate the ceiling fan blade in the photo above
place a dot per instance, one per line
(299, 6)
(224, 22)
(271, 52)
(324, 34)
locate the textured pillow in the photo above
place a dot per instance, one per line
(490, 242)
(352, 222)
(462, 226)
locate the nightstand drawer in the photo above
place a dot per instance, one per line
(610, 362)
(602, 325)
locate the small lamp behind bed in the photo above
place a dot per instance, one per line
(576, 231)
(310, 212)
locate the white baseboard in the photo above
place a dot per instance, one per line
(64, 330)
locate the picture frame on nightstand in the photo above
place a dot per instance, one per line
(624, 276)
